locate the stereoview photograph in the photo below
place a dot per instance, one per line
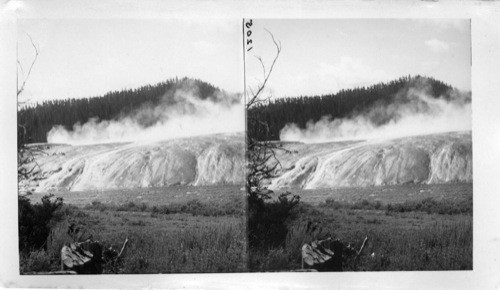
(247, 145)
(359, 144)
(131, 146)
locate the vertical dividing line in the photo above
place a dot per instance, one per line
(471, 70)
(244, 91)
(17, 64)
(470, 47)
(17, 103)
(244, 73)
(244, 87)
(245, 155)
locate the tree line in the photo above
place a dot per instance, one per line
(299, 110)
(39, 119)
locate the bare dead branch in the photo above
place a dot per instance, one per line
(255, 96)
(278, 47)
(262, 65)
(20, 66)
(123, 248)
(21, 89)
(361, 248)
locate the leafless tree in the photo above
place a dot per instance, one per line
(21, 88)
(256, 96)
(266, 222)
(24, 154)
(261, 155)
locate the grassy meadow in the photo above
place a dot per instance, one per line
(191, 234)
(414, 227)
(203, 229)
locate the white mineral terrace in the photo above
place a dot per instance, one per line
(219, 159)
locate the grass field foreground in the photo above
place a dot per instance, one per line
(404, 234)
(182, 237)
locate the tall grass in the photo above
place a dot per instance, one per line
(212, 249)
(438, 246)
(442, 246)
(186, 247)
(288, 256)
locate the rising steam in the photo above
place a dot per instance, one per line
(412, 112)
(181, 113)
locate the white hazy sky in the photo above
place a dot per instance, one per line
(323, 56)
(89, 57)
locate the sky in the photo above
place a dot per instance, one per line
(89, 57)
(323, 56)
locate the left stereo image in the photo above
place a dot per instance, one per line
(130, 146)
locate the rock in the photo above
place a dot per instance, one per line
(323, 255)
(83, 258)
(328, 254)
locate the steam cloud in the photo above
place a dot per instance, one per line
(181, 113)
(412, 112)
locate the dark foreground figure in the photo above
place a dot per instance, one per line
(328, 255)
(88, 257)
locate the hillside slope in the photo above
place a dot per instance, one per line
(204, 160)
(39, 119)
(380, 103)
(438, 158)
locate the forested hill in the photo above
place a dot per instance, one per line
(40, 118)
(345, 103)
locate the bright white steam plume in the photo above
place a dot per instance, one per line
(181, 113)
(412, 112)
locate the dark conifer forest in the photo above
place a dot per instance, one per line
(40, 118)
(347, 102)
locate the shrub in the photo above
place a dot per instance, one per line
(428, 205)
(433, 206)
(267, 221)
(35, 221)
(365, 204)
(194, 207)
(60, 230)
(360, 204)
(332, 203)
(96, 205)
